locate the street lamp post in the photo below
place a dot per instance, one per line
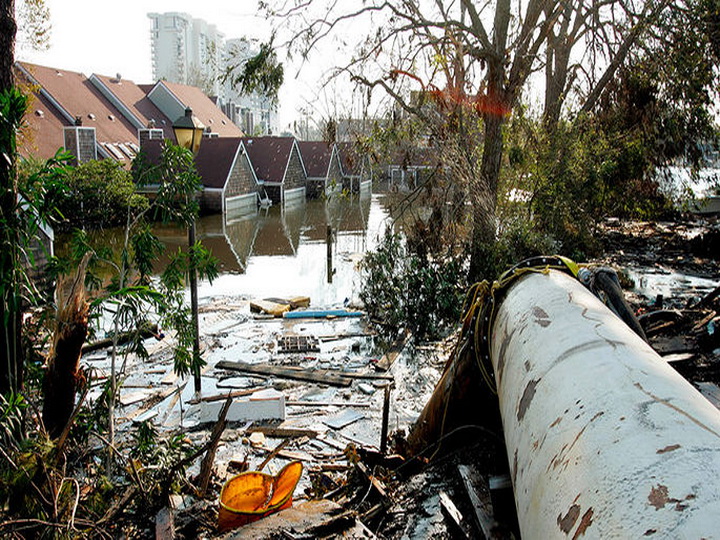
(188, 134)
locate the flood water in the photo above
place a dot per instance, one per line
(282, 251)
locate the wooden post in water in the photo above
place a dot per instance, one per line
(385, 420)
(329, 254)
(194, 307)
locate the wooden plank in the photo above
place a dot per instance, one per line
(225, 395)
(336, 337)
(339, 373)
(391, 355)
(283, 432)
(270, 308)
(343, 419)
(482, 510)
(164, 524)
(316, 376)
(323, 313)
(453, 513)
(674, 345)
(362, 404)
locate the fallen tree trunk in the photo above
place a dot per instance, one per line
(62, 377)
(150, 330)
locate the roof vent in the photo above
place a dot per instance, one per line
(111, 117)
(118, 77)
(78, 120)
(39, 113)
(91, 116)
(151, 123)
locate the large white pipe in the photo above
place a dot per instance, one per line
(604, 438)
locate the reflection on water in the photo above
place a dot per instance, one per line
(281, 251)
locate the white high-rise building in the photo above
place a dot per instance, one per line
(186, 51)
(191, 51)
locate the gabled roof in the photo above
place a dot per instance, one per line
(202, 107)
(351, 158)
(316, 156)
(43, 135)
(71, 95)
(134, 99)
(415, 157)
(269, 156)
(214, 160)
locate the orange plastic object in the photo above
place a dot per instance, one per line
(252, 495)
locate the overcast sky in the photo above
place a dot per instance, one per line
(92, 36)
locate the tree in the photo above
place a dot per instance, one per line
(479, 60)
(261, 72)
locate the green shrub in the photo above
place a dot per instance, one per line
(402, 290)
(100, 193)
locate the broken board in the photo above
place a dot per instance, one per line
(271, 308)
(319, 376)
(306, 520)
(294, 302)
(343, 419)
(391, 355)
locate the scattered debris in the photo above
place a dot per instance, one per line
(395, 349)
(298, 344)
(343, 419)
(262, 405)
(322, 314)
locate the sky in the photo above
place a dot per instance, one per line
(91, 36)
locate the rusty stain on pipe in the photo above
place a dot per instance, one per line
(606, 439)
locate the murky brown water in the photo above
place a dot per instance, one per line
(280, 251)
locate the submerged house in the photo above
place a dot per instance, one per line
(278, 167)
(412, 167)
(322, 164)
(356, 167)
(229, 184)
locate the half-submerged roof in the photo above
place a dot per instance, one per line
(316, 156)
(214, 159)
(269, 156)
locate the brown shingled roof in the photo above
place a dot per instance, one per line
(42, 135)
(204, 108)
(350, 158)
(269, 156)
(79, 98)
(316, 156)
(214, 160)
(135, 98)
